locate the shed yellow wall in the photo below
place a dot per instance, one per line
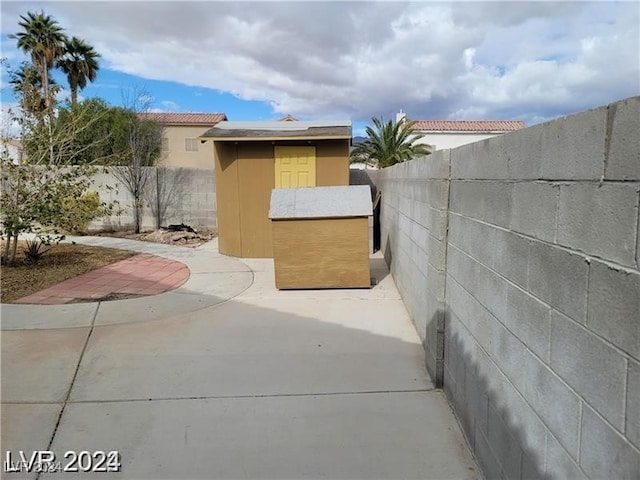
(245, 176)
(256, 180)
(332, 164)
(227, 199)
(177, 155)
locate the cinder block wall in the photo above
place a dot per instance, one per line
(413, 218)
(541, 291)
(186, 195)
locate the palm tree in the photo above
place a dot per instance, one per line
(27, 85)
(44, 40)
(390, 143)
(80, 63)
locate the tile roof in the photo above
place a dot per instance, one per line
(469, 125)
(206, 119)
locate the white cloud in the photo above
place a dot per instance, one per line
(529, 60)
(9, 125)
(167, 106)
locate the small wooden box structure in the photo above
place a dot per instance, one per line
(321, 237)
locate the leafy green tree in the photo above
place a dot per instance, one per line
(31, 199)
(35, 194)
(79, 62)
(107, 142)
(389, 143)
(44, 40)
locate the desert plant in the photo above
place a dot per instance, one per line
(39, 245)
(79, 211)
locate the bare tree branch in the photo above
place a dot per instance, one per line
(145, 145)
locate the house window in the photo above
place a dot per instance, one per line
(165, 144)
(191, 144)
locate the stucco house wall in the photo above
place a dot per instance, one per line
(442, 141)
(179, 144)
(447, 134)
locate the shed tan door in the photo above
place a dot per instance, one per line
(295, 167)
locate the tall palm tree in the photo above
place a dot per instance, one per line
(80, 63)
(27, 84)
(43, 39)
(390, 143)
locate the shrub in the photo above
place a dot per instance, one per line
(78, 212)
(38, 246)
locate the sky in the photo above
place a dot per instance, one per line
(478, 60)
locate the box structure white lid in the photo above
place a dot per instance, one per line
(321, 202)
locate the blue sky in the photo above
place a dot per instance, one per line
(532, 61)
(173, 96)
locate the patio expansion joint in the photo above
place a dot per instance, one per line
(266, 395)
(73, 381)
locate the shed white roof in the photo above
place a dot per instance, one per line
(252, 131)
(321, 202)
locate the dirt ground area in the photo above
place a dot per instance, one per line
(169, 237)
(61, 262)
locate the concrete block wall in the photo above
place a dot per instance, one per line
(541, 290)
(186, 195)
(413, 219)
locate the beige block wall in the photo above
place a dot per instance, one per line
(177, 155)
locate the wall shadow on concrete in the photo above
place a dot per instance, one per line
(248, 391)
(379, 270)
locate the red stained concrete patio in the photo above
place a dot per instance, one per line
(141, 274)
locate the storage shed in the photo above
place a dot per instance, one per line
(321, 237)
(252, 158)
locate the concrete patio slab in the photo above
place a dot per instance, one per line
(156, 307)
(219, 284)
(21, 317)
(26, 427)
(228, 377)
(38, 365)
(236, 349)
(386, 435)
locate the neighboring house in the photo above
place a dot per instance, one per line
(13, 148)
(180, 144)
(441, 134)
